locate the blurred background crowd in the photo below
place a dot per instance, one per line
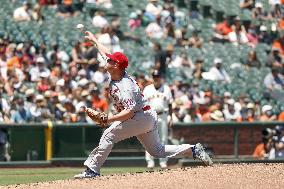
(223, 60)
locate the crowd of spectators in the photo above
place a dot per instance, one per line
(40, 85)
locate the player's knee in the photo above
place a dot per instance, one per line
(158, 152)
(108, 137)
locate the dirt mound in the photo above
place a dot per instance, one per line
(217, 176)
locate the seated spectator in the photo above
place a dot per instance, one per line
(267, 114)
(247, 4)
(153, 9)
(238, 35)
(264, 150)
(21, 114)
(192, 115)
(195, 40)
(217, 73)
(135, 20)
(40, 112)
(222, 31)
(169, 30)
(36, 13)
(77, 54)
(248, 113)
(154, 29)
(81, 117)
(99, 20)
(66, 9)
(217, 115)
(23, 13)
(274, 80)
(40, 68)
(198, 69)
(109, 39)
(44, 84)
(102, 3)
(274, 58)
(279, 43)
(264, 36)
(252, 60)
(230, 113)
(281, 116)
(98, 102)
(259, 13)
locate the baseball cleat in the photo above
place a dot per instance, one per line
(199, 152)
(88, 173)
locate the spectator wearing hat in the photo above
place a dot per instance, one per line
(267, 114)
(40, 112)
(258, 12)
(30, 98)
(83, 101)
(274, 80)
(230, 113)
(21, 114)
(40, 68)
(248, 113)
(217, 115)
(44, 83)
(218, 73)
(135, 20)
(153, 9)
(264, 36)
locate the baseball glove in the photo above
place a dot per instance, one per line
(98, 117)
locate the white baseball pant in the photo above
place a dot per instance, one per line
(144, 126)
(163, 134)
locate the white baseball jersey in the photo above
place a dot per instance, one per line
(160, 98)
(126, 94)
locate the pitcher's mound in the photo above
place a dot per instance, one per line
(218, 176)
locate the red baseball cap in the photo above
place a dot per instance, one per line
(119, 58)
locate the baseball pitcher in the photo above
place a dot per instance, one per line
(160, 99)
(135, 117)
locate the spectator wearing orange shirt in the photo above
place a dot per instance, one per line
(264, 150)
(281, 116)
(267, 114)
(98, 103)
(279, 43)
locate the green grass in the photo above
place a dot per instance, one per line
(32, 175)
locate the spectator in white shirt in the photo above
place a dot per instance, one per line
(40, 68)
(22, 13)
(99, 20)
(109, 39)
(154, 8)
(274, 80)
(230, 113)
(218, 73)
(154, 29)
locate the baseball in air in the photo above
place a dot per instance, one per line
(80, 26)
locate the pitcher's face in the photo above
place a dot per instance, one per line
(111, 66)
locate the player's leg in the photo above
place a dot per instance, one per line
(163, 133)
(116, 132)
(152, 144)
